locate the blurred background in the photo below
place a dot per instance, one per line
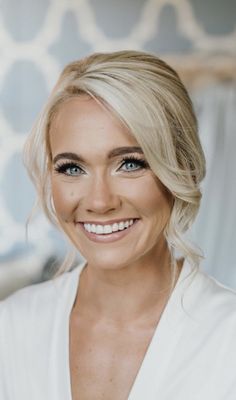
(37, 38)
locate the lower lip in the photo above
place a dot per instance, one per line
(109, 237)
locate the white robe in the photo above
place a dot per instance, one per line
(192, 355)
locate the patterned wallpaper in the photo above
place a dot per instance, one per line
(37, 38)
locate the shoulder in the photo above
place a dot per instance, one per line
(215, 327)
(27, 305)
(30, 296)
(214, 295)
(32, 320)
(199, 288)
(205, 304)
(211, 309)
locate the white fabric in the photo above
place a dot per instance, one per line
(192, 355)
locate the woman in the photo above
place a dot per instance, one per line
(117, 163)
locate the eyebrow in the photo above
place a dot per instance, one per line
(119, 151)
(69, 156)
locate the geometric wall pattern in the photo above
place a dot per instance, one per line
(37, 38)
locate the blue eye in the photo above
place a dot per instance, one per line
(70, 169)
(133, 164)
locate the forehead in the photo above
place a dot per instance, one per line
(82, 123)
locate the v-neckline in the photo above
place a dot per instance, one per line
(164, 339)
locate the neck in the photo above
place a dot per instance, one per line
(127, 294)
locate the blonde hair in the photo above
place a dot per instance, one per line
(148, 96)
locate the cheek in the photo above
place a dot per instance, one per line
(158, 209)
(150, 197)
(64, 199)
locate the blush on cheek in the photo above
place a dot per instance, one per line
(62, 204)
(62, 215)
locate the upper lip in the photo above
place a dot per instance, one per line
(110, 222)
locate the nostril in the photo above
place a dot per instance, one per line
(103, 206)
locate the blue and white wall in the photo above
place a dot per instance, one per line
(37, 38)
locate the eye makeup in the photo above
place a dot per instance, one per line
(69, 168)
(135, 163)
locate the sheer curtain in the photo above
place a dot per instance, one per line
(215, 228)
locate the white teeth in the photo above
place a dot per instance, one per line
(87, 227)
(115, 227)
(93, 228)
(121, 226)
(106, 229)
(99, 229)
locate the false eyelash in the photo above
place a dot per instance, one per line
(61, 168)
(142, 162)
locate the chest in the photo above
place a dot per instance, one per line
(105, 359)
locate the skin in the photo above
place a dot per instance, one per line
(125, 286)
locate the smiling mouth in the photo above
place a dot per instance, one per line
(108, 229)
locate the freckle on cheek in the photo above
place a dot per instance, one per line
(72, 194)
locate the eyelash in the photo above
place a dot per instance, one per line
(63, 167)
(132, 159)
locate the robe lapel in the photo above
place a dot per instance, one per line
(159, 355)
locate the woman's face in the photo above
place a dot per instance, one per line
(107, 199)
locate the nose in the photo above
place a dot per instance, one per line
(102, 197)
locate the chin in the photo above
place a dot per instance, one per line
(107, 260)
